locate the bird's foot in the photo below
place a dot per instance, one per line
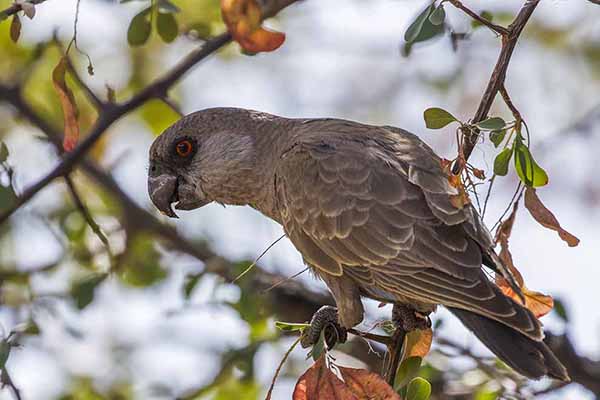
(324, 320)
(408, 319)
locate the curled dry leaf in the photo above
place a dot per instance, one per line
(545, 217)
(243, 19)
(69, 107)
(538, 303)
(321, 383)
(15, 28)
(417, 343)
(28, 9)
(462, 198)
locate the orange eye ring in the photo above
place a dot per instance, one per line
(184, 148)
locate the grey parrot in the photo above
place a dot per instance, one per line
(369, 208)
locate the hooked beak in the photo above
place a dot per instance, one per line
(163, 193)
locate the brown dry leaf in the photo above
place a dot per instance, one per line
(502, 236)
(243, 19)
(538, 303)
(417, 343)
(15, 28)
(545, 217)
(69, 107)
(479, 174)
(367, 385)
(321, 383)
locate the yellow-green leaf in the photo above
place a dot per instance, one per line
(530, 173)
(501, 162)
(418, 389)
(436, 118)
(167, 28)
(139, 28)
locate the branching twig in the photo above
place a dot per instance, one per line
(113, 112)
(7, 380)
(496, 28)
(509, 41)
(15, 8)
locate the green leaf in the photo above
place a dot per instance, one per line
(560, 310)
(501, 162)
(83, 291)
(141, 265)
(438, 16)
(290, 326)
(414, 29)
(407, 370)
(191, 281)
(5, 347)
(165, 7)
(530, 173)
(139, 28)
(3, 152)
(166, 24)
(491, 124)
(485, 394)
(485, 15)
(497, 137)
(436, 118)
(318, 348)
(7, 197)
(418, 389)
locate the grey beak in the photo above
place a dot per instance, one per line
(163, 192)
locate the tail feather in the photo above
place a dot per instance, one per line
(530, 358)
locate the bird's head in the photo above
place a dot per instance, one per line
(206, 156)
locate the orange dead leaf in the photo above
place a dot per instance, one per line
(243, 19)
(545, 217)
(538, 303)
(69, 107)
(479, 174)
(320, 383)
(367, 385)
(462, 198)
(417, 343)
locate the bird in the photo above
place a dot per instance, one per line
(370, 209)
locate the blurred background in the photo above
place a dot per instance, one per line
(167, 325)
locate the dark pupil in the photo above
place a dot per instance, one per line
(183, 148)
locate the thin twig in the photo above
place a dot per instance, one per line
(7, 380)
(278, 370)
(496, 28)
(86, 213)
(394, 354)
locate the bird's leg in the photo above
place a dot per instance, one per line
(324, 320)
(410, 319)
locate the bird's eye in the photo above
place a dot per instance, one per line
(184, 148)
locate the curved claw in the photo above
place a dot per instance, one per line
(325, 319)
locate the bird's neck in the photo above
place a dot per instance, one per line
(272, 140)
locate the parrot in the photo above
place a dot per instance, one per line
(370, 209)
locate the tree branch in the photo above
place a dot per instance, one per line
(509, 41)
(15, 8)
(113, 112)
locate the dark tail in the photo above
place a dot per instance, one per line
(526, 356)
